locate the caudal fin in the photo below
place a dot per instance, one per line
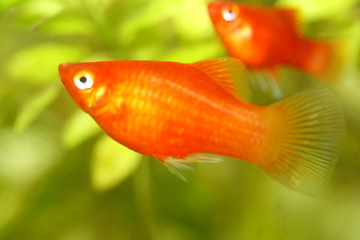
(306, 135)
(326, 59)
(339, 60)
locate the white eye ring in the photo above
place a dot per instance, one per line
(83, 80)
(229, 16)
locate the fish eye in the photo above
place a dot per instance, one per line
(229, 13)
(84, 80)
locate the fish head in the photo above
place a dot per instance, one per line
(86, 84)
(230, 20)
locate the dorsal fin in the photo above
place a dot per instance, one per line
(230, 73)
(290, 17)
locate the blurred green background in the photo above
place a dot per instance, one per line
(62, 178)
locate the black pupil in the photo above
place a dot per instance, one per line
(83, 79)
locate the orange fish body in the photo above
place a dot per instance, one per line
(175, 112)
(171, 110)
(265, 38)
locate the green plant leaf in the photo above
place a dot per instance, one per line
(69, 26)
(32, 108)
(147, 16)
(38, 64)
(80, 127)
(195, 52)
(192, 20)
(112, 163)
(41, 8)
(5, 4)
(314, 10)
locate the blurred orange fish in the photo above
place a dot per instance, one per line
(176, 112)
(265, 38)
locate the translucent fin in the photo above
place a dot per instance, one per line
(316, 57)
(306, 136)
(340, 52)
(326, 59)
(182, 167)
(179, 169)
(200, 157)
(266, 82)
(229, 72)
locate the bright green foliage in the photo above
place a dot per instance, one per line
(42, 8)
(79, 127)
(112, 163)
(36, 64)
(71, 25)
(34, 106)
(311, 10)
(193, 53)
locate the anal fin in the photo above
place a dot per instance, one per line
(182, 166)
(266, 81)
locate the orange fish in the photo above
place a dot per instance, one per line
(265, 38)
(176, 112)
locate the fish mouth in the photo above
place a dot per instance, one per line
(211, 9)
(63, 69)
(63, 66)
(214, 8)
